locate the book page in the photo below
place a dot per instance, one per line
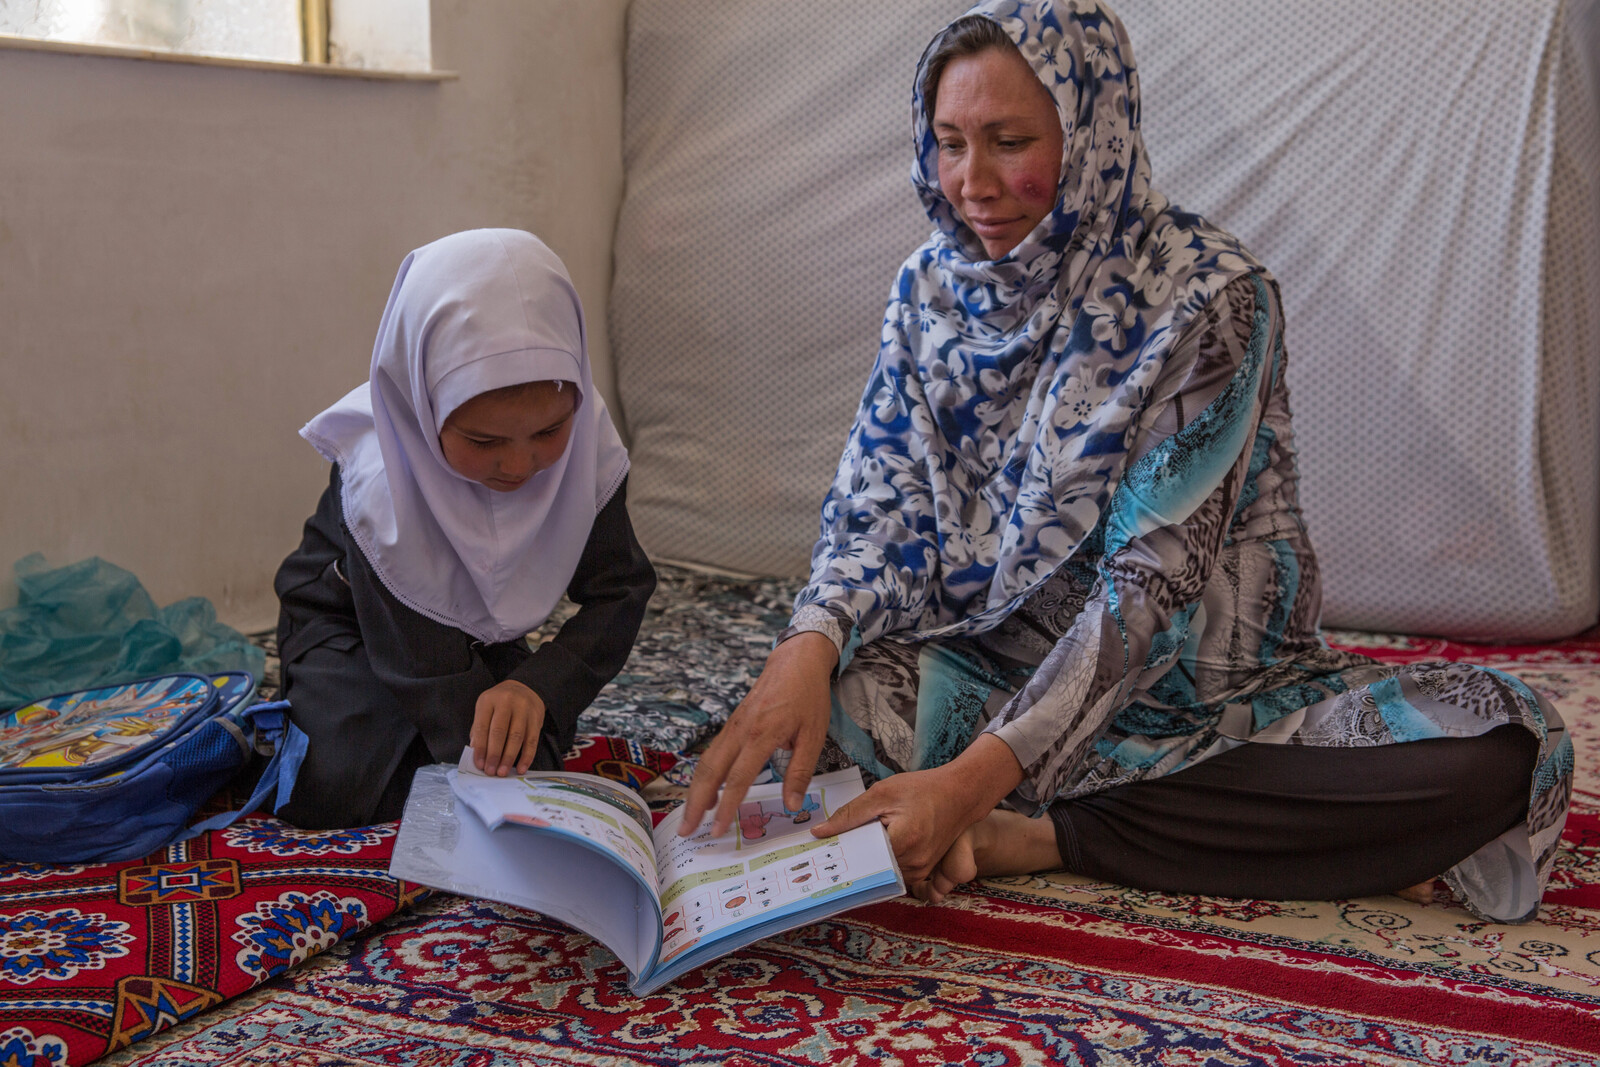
(596, 810)
(576, 872)
(767, 865)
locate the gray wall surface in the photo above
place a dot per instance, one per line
(193, 261)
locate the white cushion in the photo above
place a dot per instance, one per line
(1424, 179)
(1420, 176)
(767, 206)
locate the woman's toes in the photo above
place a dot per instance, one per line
(1421, 893)
(960, 864)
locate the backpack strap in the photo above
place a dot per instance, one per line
(271, 733)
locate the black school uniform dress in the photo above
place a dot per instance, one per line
(381, 689)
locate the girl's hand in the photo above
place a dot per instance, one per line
(788, 707)
(505, 728)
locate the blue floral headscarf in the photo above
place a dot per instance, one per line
(998, 417)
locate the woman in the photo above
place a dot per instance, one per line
(1063, 570)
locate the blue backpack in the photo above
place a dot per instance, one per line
(116, 772)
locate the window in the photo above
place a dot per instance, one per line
(390, 35)
(248, 29)
(378, 34)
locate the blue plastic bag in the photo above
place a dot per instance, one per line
(91, 623)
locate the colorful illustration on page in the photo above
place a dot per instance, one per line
(762, 819)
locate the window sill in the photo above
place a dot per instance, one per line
(325, 70)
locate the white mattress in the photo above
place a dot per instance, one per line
(1420, 176)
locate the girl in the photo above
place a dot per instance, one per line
(476, 477)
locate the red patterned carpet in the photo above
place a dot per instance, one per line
(1045, 969)
(95, 957)
(994, 981)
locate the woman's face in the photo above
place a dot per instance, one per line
(999, 146)
(502, 438)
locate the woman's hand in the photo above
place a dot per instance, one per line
(926, 811)
(505, 728)
(788, 707)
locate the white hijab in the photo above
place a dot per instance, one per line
(469, 313)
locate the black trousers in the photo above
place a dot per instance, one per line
(1289, 822)
(364, 748)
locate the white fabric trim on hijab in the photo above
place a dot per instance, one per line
(996, 423)
(469, 313)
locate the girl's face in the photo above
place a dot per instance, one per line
(999, 146)
(502, 438)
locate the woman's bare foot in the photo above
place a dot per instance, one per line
(959, 865)
(1002, 842)
(1008, 842)
(1421, 893)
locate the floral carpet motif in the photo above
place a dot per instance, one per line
(992, 981)
(94, 957)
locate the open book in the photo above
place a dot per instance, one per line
(580, 849)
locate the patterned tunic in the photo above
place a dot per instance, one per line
(1186, 625)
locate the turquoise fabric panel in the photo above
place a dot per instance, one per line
(92, 623)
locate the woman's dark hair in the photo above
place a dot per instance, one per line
(966, 36)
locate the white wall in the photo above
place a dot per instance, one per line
(193, 261)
